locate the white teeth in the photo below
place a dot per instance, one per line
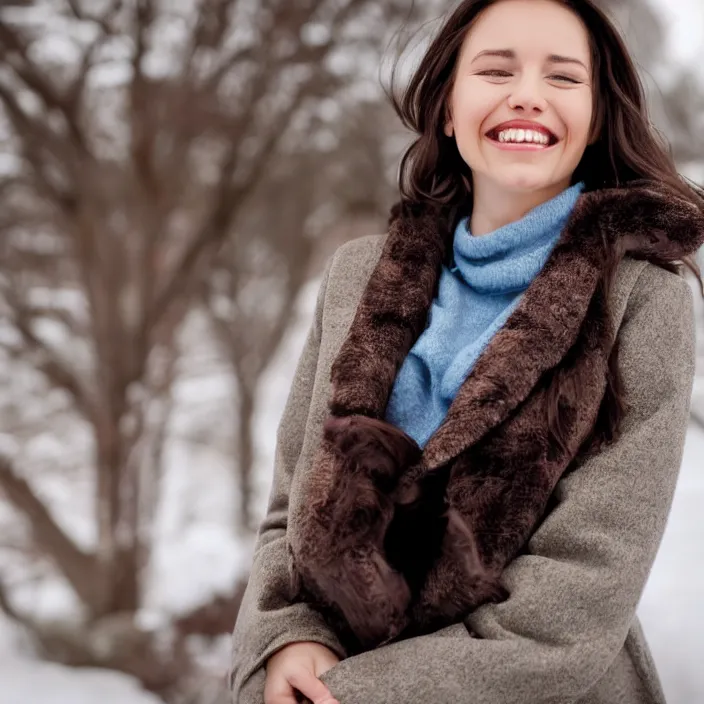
(520, 136)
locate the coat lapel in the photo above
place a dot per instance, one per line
(393, 311)
(390, 316)
(536, 336)
(394, 307)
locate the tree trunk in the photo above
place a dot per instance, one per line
(118, 546)
(244, 458)
(124, 582)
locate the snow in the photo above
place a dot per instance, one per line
(26, 681)
(671, 607)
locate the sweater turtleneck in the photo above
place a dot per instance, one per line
(476, 295)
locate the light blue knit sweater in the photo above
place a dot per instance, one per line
(475, 298)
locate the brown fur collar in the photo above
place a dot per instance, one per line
(395, 540)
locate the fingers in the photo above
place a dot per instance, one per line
(279, 692)
(310, 686)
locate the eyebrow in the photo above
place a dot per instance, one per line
(510, 54)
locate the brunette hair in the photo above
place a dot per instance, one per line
(628, 147)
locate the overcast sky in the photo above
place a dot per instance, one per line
(686, 21)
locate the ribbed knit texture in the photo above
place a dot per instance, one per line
(476, 295)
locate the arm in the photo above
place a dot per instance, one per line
(574, 595)
(266, 621)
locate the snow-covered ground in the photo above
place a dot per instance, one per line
(671, 608)
(24, 681)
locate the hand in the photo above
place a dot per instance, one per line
(297, 667)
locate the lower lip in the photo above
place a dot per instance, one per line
(521, 147)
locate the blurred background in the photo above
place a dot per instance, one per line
(173, 176)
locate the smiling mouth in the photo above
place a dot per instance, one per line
(522, 137)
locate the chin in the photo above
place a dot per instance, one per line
(525, 185)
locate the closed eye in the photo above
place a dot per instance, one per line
(499, 73)
(496, 73)
(564, 78)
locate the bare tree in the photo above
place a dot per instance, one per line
(130, 158)
(315, 198)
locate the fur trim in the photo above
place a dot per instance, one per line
(360, 462)
(396, 540)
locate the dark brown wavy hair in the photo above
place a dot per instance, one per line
(628, 147)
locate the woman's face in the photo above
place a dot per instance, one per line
(521, 103)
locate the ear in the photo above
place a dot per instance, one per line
(449, 130)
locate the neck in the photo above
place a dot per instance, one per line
(494, 207)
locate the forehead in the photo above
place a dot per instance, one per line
(531, 28)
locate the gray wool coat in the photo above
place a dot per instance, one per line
(569, 631)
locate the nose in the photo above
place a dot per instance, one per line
(526, 96)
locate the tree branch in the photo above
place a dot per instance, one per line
(78, 567)
(17, 57)
(140, 116)
(8, 608)
(210, 30)
(229, 198)
(55, 370)
(105, 25)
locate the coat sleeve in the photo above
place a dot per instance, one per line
(266, 621)
(574, 595)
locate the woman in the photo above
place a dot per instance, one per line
(479, 451)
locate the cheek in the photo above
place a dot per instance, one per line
(472, 108)
(578, 116)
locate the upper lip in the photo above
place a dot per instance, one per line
(523, 125)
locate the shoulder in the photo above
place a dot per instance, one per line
(643, 292)
(352, 264)
(658, 332)
(360, 251)
(661, 291)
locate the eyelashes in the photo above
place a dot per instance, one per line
(498, 73)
